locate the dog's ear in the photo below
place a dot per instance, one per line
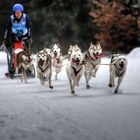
(98, 44)
(91, 44)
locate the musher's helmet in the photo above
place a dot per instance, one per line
(18, 7)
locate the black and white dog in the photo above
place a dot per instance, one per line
(118, 67)
(44, 67)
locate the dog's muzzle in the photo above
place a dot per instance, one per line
(97, 55)
(76, 61)
(55, 53)
(41, 62)
(121, 64)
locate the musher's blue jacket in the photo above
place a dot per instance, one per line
(20, 26)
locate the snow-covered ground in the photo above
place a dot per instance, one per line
(34, 112)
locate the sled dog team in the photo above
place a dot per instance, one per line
(51, 59)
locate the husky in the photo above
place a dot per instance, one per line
(57, 59)
(117, 69)
(73, 48)
(92, 60)
(24, 62)
(75, 70)
(44, 67)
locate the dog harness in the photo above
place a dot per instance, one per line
(119, 73)
(75, 71)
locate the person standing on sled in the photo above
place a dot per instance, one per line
(19, 28)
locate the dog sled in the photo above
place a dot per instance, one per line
(18, 47)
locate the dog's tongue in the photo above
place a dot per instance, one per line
(97, 56)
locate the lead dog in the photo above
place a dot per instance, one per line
(24, 62)
(75, 70)
(57, 59)
(118, 67)
(92, 60)
(44, 68)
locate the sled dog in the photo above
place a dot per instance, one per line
(75, 70)
(24, 62)
(44, 68)
(71, 49)
(92, 60)
(57, 59)
(117, 69)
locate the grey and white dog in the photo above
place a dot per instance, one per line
(44, 67)
(117, 69)
(92, 60)
(24, 62)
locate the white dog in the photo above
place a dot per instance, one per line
(118, 66)
(92, 60)
(57, 59)
(75, 70)
(44, 68)
(73, 48)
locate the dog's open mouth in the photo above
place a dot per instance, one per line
(97, 56)
(76, 61)
(41, 62)
(121, 65)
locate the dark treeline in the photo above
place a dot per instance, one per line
(64, 21)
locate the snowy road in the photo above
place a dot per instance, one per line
(34, 112)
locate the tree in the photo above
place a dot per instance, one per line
(118, 25)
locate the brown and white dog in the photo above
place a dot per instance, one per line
(92, 60)
(75, 69)
(24, 62)
(44, 67)
(57, 59)
(118, 67)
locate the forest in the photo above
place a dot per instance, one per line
(113, 23)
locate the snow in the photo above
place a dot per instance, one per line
(34, 112)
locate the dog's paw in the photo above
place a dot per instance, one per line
(110, 85)
(51, 87)
(73, 92)
(88, 86)
(116, 91)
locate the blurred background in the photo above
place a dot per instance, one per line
(114, 23)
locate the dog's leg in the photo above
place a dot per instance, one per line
(118, 84)
(42, 81)
(71, 86)
(111, 81)
(24, 75)
(87, 77)
(50, 85)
